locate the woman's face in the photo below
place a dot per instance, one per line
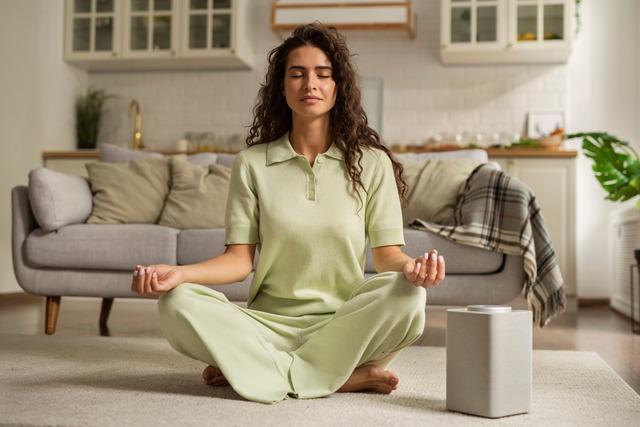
(308, 82)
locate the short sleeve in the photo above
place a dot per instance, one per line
(383, 214)
(242, 212)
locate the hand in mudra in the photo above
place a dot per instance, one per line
(155, 280)
(426, 271)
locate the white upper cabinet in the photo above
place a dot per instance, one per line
(92, 29)
(157, 34)
(506, 31)
(208, 27)
(149, 28)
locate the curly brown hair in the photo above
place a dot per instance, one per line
(349, 127)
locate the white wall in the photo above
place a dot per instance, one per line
(36, 104)
(604, 95)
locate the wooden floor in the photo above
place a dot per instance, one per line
(597, 328)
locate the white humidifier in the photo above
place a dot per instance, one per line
(489, 360)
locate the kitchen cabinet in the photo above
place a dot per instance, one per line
(506, 31)
(625, 235)
(150, 28)
(129, 35)
(553, 181)
(93, 29)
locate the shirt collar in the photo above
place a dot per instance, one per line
(281, 150)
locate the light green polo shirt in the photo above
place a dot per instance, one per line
(309, 227)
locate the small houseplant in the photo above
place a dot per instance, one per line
(88, 117)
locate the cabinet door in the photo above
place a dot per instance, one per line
(151, 28)
(539, 24)
(553, 183)
(92, 29)
(473, 25)
(208, 27)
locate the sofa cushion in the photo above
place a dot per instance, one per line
(58, 199)
(104, 247)
(225, 159)
(459, 259)
(200, 245)
(132, 192)
(198, 196)
(433, 188)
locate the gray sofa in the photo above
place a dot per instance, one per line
(96, 261)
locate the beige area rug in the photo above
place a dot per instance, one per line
(66, 380)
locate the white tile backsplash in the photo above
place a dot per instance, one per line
(421, 95)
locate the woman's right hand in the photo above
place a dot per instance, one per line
(155, 280)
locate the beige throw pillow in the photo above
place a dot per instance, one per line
(132, 192)
(433, 188)
(198, 196)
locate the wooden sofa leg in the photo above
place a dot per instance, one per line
(105, 310)
(51, 320)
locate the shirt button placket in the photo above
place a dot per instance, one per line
(311, 186)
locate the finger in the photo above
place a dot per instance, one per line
(147, 280)
(416, 270)
(433, 266)
(419, 268)
(140, 281)
(441, 268)
(155, 284)
(423, 271)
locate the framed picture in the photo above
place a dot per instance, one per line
(542, 123)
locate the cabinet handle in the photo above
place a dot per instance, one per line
(114, 54)
(173, 53)
(509, 45)
(443, 46)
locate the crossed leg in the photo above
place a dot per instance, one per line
(370, 376)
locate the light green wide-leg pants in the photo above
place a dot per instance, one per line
(268, 357)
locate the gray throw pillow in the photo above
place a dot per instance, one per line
(226, 159)
(58, 199)
(198, 196)
(111, 153)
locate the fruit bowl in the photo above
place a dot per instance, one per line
(551, 141)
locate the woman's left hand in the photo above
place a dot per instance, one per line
(426, 271)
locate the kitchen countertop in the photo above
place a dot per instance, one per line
(492, 152)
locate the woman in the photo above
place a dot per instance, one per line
(313, 185)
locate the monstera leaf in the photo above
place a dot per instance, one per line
(616, 164)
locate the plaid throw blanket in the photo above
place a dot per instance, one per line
(500, 213)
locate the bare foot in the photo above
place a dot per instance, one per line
(371, 378)
(212, 375)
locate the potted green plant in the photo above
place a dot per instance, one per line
(88, 117)
(616, 166)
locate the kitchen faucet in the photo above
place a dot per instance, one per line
(134, 108)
